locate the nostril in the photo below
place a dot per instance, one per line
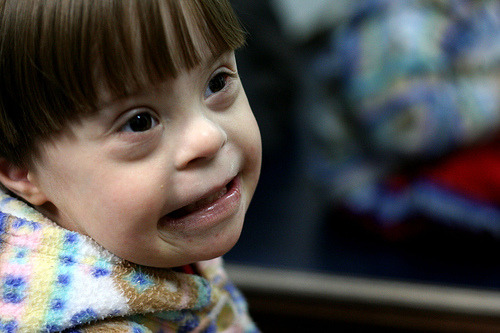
(198, 160)
(201, 142)
(190, 162)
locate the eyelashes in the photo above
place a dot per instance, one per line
(219, 93)
(219, 83)
(140, 122)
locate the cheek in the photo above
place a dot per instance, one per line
(122, 217)
(129, 194)
(251, 142)
(247, 133)
(115, 199)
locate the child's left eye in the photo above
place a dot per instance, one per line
(216, 84)
(140, 122)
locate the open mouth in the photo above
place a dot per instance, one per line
(203, 204)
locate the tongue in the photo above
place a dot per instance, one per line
(198, 204)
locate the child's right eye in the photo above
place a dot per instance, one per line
(140, 122)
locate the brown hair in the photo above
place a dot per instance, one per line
(52, 50)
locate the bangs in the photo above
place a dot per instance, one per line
(141, 42)
(56, 56)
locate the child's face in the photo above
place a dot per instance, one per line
(163, 177)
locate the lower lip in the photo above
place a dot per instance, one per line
(211, 214)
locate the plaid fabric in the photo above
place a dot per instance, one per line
(53, 280)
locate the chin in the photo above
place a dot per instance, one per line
(202, 252)
(217, 247)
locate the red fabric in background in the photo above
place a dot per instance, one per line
(473, 172)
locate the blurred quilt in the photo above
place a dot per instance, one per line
(404, 122)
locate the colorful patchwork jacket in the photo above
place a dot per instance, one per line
(53, 280)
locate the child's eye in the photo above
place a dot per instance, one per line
(216, 84)
(140, 122)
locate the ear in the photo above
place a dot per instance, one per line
(19, 180)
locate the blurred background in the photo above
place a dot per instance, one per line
(379, 201)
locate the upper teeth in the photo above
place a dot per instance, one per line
(202, 202)
(207, 200)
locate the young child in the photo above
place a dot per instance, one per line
(129, 156)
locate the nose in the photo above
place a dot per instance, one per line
(201, 140)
